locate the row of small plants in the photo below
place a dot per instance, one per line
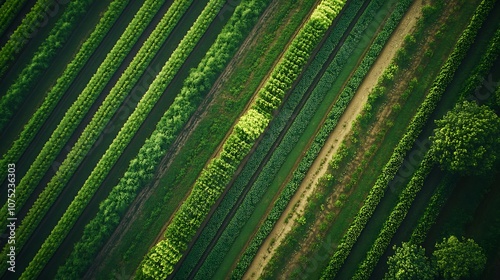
(436, 203)
(482, 69)
(271, 135)
(23, 33)
(414, 128)
(62, 84)
(8, 12)
(75, 114)
(41, 60)
(141, 169)
(319, 140)
(127, 132)
(395, 218)
(160, 261)
(345, 156)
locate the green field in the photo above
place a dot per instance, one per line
(252, 139)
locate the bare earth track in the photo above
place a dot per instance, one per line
(299, 200)
(208, 101)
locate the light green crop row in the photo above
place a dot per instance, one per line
(414, 128)
(128, 130)
(80, 107)
(160, 261)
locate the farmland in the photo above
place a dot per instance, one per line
(251, 139)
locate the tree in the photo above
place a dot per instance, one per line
(409, 262)
(466, 140)
(457, 259)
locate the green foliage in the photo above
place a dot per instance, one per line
(393, 222)
(30, 23)
(497, 95)
(482, 69)
(81, 106)
(8, 12)
(59, 34)
(325, 130)
(272, 133)
(409, 262)
(432, 210)
(414, 128)
(162, 257)
(467, 139)
(130, 127)
(62, 84)
(457, 259)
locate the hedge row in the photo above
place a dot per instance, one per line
(414, 128)
(160, 261)
(48, 50)
(25, 31)
(8, 12)
(129, 129)
(436, 203)
(62, 85)
(80, 107)
(273, 131)
(141, 169)
(320, 139)
(395, 218)
(481, 71)
(100, 119)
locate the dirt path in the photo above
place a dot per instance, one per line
(143, 196)
(318, 169)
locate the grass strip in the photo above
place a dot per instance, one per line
(321, 137)
(129, 129)
(216, 256)
(395, 218)
(141, 169)
(160, 261)
(436, 203)
(414, 128)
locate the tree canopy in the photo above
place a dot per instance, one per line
(457, 259)
(467, 138)
(409, 262)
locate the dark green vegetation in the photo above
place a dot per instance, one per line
(253, 139)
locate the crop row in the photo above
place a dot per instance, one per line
(161, 259)
(395, 218)
(319, 140)
(271, 135)
(487, 61)
(80, 107)
(25, 31)
(8, 12)
(414, 128)
(62, 84)
(97, 124)
(143, 166)
(428, 218)
(131, 126)
(40, 62)
(298, 126)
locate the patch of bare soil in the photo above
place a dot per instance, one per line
(369, 141)
(299, 200)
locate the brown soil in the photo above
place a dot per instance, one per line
(370, 139)
(299, 200)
